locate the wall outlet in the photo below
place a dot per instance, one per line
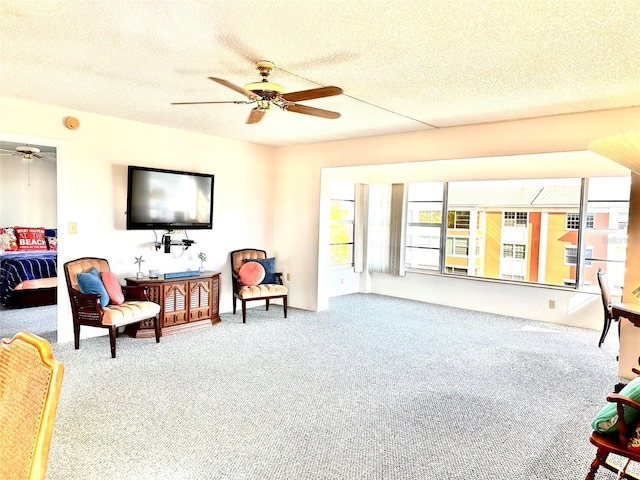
(552, 304)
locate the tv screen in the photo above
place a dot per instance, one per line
(168, 199)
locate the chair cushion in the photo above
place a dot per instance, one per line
(128, 312)
(606, 418)
(251, 273)
(90, 282)
(262, 290)
(113, 287)
(269, 265)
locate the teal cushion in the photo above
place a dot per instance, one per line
(605, 420)
(91, 282)
(269, 265)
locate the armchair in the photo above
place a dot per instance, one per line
(256, 288)
(124, 305)
(616, 431)
(30, 381)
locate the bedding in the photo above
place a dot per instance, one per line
(19, 272)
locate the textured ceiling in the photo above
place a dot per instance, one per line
(403, 65)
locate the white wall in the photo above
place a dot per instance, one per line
(92, 181)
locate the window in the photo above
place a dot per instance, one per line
(424, 225)
(510, 250)
(458, 219)
(515, 219)
(342, 223)
(457, 246)
(573, 221)
(521, 230)
(606, 238)
(456, 270)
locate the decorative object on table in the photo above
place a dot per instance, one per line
(138, 262)
(154, 273)
(203, 258)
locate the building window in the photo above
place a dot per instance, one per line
(458, 219)
(456, 270)
(510, 250)
(573, 221)
(571, 255)
(457, 246)
(515, 219)
(343, 200)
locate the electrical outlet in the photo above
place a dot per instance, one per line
(552, 304)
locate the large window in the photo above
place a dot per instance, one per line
(343, 199)
(520, 230)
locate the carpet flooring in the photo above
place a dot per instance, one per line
(374, 388)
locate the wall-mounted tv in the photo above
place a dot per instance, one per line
(168, 199)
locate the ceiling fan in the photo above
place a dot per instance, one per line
(265, 93)
(25, 151)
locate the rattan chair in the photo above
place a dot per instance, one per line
(30, 381)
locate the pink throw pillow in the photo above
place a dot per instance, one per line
(113, 287)
(251, 273)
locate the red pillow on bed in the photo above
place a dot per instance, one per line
(30, 238)
(113, 287)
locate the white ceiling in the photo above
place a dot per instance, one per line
(403, 65)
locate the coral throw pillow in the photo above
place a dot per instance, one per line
(113, 287)
(30, 238)
(251, 273)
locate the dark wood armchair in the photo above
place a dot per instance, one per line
(266, 291)
(617, 442)
(87, 309)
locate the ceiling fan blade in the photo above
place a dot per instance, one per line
(235, 87)
(316, 112)
(239, 102)
(311, 94)
(256, 115)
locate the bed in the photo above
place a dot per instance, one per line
(29, 278)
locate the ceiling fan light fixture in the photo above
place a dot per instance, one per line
(264, 87)
(26, 151)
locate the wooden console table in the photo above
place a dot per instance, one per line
(185, 303)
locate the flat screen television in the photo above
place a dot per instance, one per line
(168, 199)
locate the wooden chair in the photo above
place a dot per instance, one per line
(606, 303)
(262, 291)
(87, 310)
(616, 443)
(30, 381)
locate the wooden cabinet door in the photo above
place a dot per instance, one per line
(200, 299)
(175, 304)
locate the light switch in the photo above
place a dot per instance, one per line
(73, 228)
